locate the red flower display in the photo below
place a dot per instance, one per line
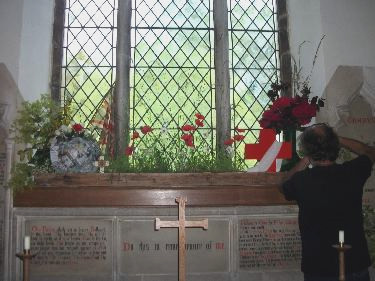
(282, 102)
(77, 128)
(146, 129)
(289, 112)
(303, 112)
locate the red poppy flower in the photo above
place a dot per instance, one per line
(189, 143)
(199, 116)
(129, 150)
(239, 130)
(135, 135)
(146, 129)
(229, 142)
(199, 123)
(187, 138)
(77, 128)
(238, 137)
(188, 128)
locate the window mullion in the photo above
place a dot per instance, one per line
(222, 94)
(57, 53)
(284, 49)
(121, 99)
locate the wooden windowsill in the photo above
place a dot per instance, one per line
(153, 189)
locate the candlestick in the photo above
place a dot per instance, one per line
(341, 237)
(341, 251)
(26, 244)
(26, 257)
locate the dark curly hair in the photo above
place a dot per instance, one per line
(320, 142)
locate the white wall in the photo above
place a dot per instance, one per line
(349, 27)
(305, 26)
(25, 43)
(10, 34)
(36, 48)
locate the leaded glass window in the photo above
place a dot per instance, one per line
(89, 56)
(254, 65)
(172, 68)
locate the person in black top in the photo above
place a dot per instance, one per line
(329, 197)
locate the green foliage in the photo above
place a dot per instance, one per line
(35, 126)
(22, 177)
(157, 154)
(369, 224)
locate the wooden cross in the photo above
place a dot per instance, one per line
(181, 224)
(101, 163)
(266, 139)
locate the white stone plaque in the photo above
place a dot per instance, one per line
(269, 243)
(70, 249)
(147, 251)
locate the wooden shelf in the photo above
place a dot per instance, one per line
(127, 190)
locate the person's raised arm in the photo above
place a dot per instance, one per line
(358, 147)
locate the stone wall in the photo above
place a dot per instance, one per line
(103, 244)
(2, 178)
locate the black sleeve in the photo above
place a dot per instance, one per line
(360, 166)
(289, 189)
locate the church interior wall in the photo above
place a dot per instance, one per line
(10, 34)
(350, 29)
(348, 26)
(2, 178)
(36, 48)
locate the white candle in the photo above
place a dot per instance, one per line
(341, 236)
(26, 244)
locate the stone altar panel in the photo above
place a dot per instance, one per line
(147, 251)
(71, 249)
(269, 243)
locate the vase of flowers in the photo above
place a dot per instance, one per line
(289, 114)
(73, 150)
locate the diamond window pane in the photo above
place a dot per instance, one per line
(254, 65)
(172, 72)
(89, 55)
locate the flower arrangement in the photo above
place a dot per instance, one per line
(289, 112)
(73, 149)
(188, 151)
(292, 113)
(35, 126)
(40, 124)
(67, 132)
